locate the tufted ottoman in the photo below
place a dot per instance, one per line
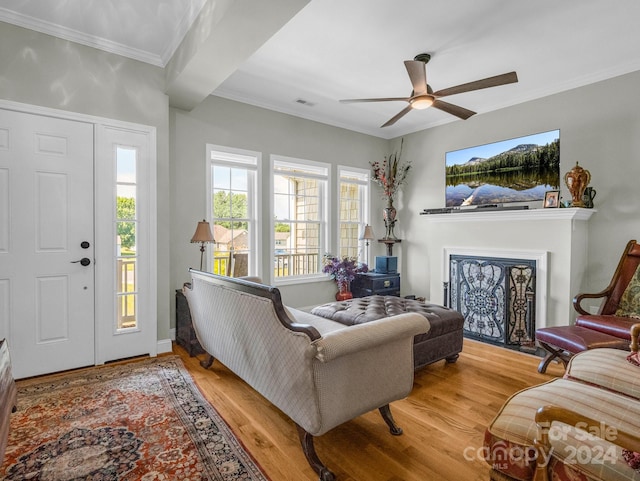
(443, 341)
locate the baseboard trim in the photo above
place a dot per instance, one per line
(164, 345)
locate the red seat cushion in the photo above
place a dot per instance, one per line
(608, 324)
(577, 338)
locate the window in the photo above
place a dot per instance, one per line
(300, 211)
(126, 228)
(233, 185)
(354, 211)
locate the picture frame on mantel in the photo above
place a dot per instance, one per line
(551, 199)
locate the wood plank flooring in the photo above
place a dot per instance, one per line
(444, 419)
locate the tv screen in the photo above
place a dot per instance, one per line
(515, 170)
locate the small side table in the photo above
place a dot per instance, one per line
(373, 283)
(185, 335)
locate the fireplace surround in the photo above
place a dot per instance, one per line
(556, 239)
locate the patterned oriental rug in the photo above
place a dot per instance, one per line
(141, 421)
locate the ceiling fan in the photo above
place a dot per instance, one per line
(423, 96)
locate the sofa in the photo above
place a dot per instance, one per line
(319, 372)
(584, 426)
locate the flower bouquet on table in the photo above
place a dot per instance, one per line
(343, 270)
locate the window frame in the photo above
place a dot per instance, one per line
(320, 171)
(231, 157)
(362, 178)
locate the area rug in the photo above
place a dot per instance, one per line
(141, 421)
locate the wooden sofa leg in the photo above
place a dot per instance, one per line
(207, 362)
(388, 418)
(318, 466)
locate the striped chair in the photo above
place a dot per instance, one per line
(542, 432)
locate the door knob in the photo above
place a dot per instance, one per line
(85, 261)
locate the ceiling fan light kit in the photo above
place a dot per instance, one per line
(421, 102)
(423, 97)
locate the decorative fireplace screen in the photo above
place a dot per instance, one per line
(496, 296)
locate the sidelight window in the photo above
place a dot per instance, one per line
(126, 228)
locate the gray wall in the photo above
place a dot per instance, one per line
(232, 124)
(599, 125)
(42, 70)
(599, 128)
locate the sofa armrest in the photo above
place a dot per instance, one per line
(545, 415)
(368, 335)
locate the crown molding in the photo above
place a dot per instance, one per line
(71, 35)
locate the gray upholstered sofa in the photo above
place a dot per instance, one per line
(319, 372)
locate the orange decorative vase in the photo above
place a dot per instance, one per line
(577, 180)
(343, 292)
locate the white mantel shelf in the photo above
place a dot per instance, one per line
(571, 213)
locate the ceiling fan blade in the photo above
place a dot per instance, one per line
(418, 75)
(456, 110)
(506, 78)
(386, 99)
(397, 117)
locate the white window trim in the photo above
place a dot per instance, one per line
(254, 212)
(323, 173)
(365, 202)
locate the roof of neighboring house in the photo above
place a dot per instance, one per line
(222, 235)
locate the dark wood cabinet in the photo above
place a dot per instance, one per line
(372, 283)
(185, 335)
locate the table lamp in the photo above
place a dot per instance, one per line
(202, 235)
(367, 235)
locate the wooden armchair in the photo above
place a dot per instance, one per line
(606, 320)
(238, 264)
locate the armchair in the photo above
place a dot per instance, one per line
(616, 314)
(582, 427)
(610, 327)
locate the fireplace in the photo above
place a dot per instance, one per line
(557, 239)
(498, 295)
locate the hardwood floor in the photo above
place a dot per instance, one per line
(444, 419)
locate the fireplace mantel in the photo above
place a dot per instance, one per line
(560, 235)
(572, 213)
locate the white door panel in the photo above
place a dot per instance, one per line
(126, 320)
(46, 212)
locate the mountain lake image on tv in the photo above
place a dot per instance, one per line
(515, 170)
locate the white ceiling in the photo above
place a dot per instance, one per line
(335, 49)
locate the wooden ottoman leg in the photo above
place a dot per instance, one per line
(553, 353)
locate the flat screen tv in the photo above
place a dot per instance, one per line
(515, 170)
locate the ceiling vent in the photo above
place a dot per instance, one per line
(304, 102)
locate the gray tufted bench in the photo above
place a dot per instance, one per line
(443, 341)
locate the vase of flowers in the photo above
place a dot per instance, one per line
(343, 270)
(391, 175)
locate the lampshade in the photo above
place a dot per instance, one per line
(367, 233)
(203, 233)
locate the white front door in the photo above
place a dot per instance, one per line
(46, 242)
